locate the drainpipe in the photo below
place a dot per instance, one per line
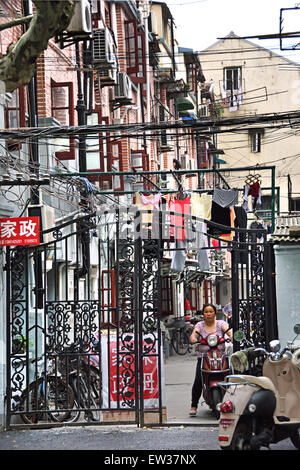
(147, 67)
(113, 20)
(33, 117)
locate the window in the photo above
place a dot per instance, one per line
(202, 151)
(207, 292)
(140, 162)
(108, 296)
(131, 42)
(232, 78)
(167, 307)
(96, 150)
(114, 161)
(255, 140)
(191, 77)
(15, 115)
(62, 108)
(294, 204)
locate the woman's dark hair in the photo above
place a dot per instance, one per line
(209, 305)
(176, 164)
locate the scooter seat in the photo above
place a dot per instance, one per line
(263, 382)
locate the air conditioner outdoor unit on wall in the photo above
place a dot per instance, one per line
(107, 77)
(123, 90)
(104, 54)
(81, 21)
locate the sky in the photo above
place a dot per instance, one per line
(199, 23)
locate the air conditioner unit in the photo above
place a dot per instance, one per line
(107, 77)
(81, 21)
(104, 49)
(123, 90)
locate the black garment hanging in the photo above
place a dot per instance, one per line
(240, 221)
(219, 215)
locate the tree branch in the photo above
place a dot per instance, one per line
(51, 18)
(17, 22)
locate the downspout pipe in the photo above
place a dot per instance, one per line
(33, 116)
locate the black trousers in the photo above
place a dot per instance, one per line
(197, 385)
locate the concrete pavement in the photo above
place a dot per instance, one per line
(179, 377)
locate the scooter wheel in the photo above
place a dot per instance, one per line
(295, 438)
(240, 439)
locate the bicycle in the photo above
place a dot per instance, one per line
(85, 381)
(47, 397)
(180, 339)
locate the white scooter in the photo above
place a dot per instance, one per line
(259, 411)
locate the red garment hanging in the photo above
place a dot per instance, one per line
(180, 207)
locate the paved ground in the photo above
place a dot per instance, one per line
(179, 378)
(180, 434)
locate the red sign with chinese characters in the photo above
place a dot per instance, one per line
(20, 231)
(125, 373)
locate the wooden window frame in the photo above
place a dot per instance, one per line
(66, 154)
(141, 60)
(131, 69)
(21, 111)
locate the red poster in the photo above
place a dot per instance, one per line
(20, 231)
(127, 375)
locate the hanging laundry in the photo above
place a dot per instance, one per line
(150, 203)
(203, 252)
(180, 253)
(240, 221)
(253, 190)
(180, 208)
(201, 205)
(179, 256)
(225, 197)
(220, 215)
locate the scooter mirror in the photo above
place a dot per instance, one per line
(239, 336)
(297, 329)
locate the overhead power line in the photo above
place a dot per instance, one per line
(291, 118)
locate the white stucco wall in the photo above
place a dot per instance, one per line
(287, 259)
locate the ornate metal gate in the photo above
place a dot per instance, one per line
(82, 313)
(83, 319)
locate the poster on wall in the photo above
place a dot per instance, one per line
(120, 365)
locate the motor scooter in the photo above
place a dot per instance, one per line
(259, 411)
(215, 366)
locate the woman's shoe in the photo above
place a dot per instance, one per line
(193, 411)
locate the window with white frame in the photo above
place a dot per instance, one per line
(232, 78)
(255, 140)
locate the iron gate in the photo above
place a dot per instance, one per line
(83, 317)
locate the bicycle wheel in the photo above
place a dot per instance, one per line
(59, 396)
(180, 342)
(87, 402)
(96, 385)
(32, 402)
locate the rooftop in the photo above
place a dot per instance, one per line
(287, 228)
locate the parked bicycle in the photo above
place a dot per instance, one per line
(48, 397)
(180, 337)
(85, 381)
